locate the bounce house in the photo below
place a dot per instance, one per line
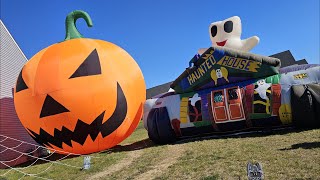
(228, 90)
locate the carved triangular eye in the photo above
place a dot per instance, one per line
(21, 85)
(51, 107)
(90, 66)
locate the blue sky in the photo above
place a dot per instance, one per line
(162, 36)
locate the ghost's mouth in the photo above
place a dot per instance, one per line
(222, 43)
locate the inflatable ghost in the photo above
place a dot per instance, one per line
(262, 88)
(227, 33)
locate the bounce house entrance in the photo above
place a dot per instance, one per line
(194, 110)
(227, 105)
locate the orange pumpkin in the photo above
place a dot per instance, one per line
(80, 95)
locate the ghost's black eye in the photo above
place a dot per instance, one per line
(90, 66)
(228, 26)
(214, 31)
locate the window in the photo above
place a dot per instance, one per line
(233, 93)
(218, 97)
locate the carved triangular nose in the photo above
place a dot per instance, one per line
(52, 107)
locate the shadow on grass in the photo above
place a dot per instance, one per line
(146, 143)
(305, 145)
(244, 134)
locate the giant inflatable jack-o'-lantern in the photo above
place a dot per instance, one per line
(80, 95)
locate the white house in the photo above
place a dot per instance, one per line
(12, 61)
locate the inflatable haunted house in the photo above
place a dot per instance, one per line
(225, 91)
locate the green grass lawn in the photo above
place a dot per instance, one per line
(287, 154)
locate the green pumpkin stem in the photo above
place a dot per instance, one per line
(71, 29)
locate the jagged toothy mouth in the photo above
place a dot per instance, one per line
(82, 130)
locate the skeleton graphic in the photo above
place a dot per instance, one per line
(219, 73)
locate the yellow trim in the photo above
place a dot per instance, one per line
(267, 104)
(269, 91)
(260, 102)
(184, 110)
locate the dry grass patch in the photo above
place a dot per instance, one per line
(131, 156)
(227, 158)
(289, 154)
(174, 152)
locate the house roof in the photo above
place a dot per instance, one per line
(302, 61)
(158, 89)
(199, 76)
(285, 57)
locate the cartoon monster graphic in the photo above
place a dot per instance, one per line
(261, 96)
(220, 76)
(227, 33)
(194, 108)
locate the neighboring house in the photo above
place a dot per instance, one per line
(285, 57)
(155, 90)
(12, 61)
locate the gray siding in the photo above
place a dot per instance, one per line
(11, 62)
